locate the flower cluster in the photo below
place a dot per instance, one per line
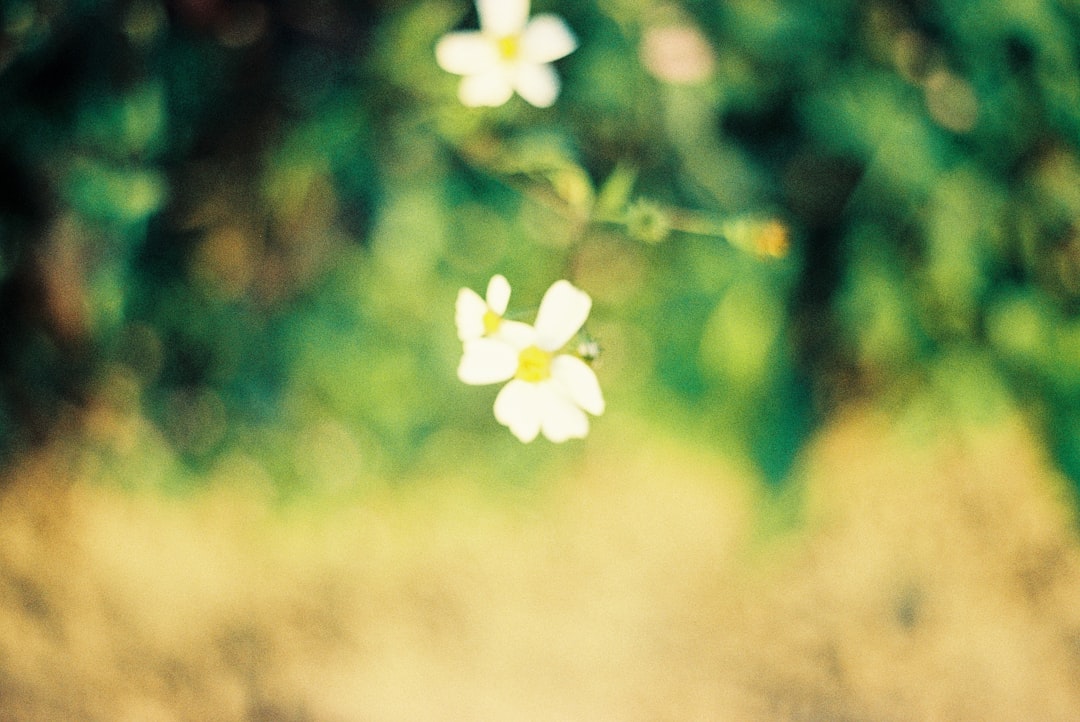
(509, 53)
(548, 390)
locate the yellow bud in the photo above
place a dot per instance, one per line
(491, 322)
(534, 365)
(509, 47)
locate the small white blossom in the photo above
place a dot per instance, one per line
(479, 317)
(509, 53)
(548, 391)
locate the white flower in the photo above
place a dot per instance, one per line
(509, 53)
(478, 317)
(548, 392)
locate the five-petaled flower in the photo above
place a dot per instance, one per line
(510, 52)
(548, 391)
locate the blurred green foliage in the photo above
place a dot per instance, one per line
(248, 221)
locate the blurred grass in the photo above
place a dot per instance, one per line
(914, 567)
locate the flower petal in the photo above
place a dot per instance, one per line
(537, 84)
(579, 382)
(519, 406)
(547, 38)
(517, 334)
(469, 314)
(491, 88)
(466, 53)
(487, 361)
(560, 418)
(501, 18)
(498, 294)
(563, 311)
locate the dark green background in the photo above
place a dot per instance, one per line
(247, 223)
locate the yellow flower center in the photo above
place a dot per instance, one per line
(534, 365)
(491, 322)
(509, 46)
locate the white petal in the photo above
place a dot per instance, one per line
(469, 314)
(466, 53)
(487, 361)
(491, 88)
(498, 294)
(547, 38)
(560, 418)
(537, 83)
(517, 334)
(579, 381)
(519, 406)
(563, 311)
(502, 17)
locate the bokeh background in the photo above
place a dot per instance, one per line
(834, 252)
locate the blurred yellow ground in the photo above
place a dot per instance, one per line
(926, 578)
